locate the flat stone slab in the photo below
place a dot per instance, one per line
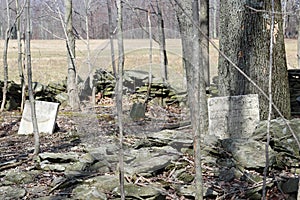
(46, 113)
(233, 116)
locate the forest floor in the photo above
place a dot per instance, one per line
(16, 149)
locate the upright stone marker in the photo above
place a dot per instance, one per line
(46, 113)
(233, 116)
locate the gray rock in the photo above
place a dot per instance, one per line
(138, 192)
(18, 177)
(175, 139)
(8, 192)
(38, 190)
(227, 175)
(290, 186)
(105, 183)
(62, 97)
(150, 160)
(132, 75)
(247, 152)
(59, 167)
(38, 87)
(137, 111)
(280, 135)
(83, 192)
(189, 191)
(59, 157)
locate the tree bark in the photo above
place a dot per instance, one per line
(30, 91)
(244, 38)
(119, 94)
(70, 43)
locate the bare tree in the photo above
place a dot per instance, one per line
(111, 35)
(70, 43)
(162, 43)
(119, 94)
(150, 53)
(204, 26)
(20, 55)
(87, 7)
(193, 36)
(30, 91)
(5, 64)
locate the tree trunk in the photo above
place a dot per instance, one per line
(20, 56)
(162, 43)
(119, 95)
(91, 76)
(204, 26)
(195, 100)
(72, 83)
(196, 75)
(215, 7)
(244, 38)
(5, 64)
(111, 36)
(298, 45)
(186, 33)
(150, 55)
(30, 91)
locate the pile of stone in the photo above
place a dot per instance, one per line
(53, 92)
(13, 95)
(135, 82)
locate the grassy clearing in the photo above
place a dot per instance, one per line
(50, 64)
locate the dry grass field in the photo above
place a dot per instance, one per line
(49, 58)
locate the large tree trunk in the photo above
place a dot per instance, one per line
(72, 83)
(30, 91)
(244, 38)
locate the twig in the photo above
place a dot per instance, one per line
(270, 12)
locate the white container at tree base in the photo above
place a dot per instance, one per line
(46, 113)
(233, 116)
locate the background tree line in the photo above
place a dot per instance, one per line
(45, 25)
